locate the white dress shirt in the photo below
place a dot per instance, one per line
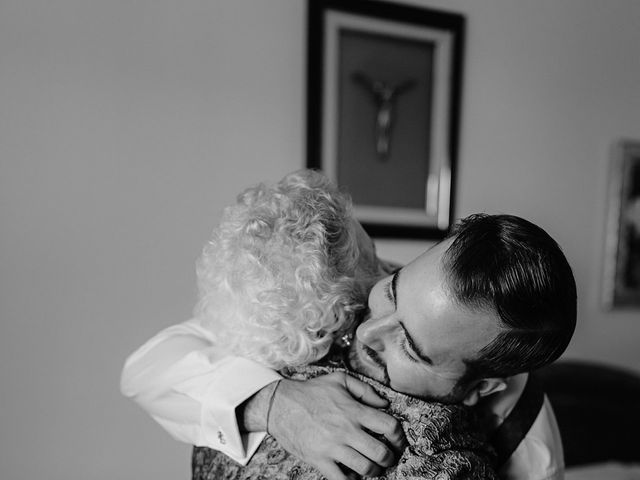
(193, 392)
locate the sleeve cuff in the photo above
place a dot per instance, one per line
(234, 380)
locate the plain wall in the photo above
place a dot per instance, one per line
(125, 127)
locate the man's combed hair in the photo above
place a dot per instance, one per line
(277, 279)
(507, 265)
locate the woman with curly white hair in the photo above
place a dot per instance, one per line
(283, 275)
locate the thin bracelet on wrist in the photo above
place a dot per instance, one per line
(273, 394)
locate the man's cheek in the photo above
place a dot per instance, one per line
(397, 379)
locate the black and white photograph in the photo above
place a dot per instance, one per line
(319, 240)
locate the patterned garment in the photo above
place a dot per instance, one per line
(445, 443)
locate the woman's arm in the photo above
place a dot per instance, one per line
(193, 391)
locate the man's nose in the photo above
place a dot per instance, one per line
(375, 332)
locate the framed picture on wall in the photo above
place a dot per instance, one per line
(383, 98)
(622, 256)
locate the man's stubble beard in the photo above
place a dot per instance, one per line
(381, 375)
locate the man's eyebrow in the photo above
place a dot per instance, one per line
(414, 346)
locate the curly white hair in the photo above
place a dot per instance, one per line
(277, 281)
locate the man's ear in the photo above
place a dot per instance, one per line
(483, 388)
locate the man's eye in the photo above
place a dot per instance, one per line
(407, 352)
(388, 292)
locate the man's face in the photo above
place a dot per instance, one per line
(416, 337)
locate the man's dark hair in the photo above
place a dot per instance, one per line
(507, 265)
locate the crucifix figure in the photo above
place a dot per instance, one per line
(384, 95)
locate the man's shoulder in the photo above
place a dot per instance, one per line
(537, 452)
(539, 456)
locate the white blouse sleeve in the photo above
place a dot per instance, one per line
(192, 391)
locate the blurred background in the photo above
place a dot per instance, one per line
(126, 126)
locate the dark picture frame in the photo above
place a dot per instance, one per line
(384, 87)
(622, 245)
